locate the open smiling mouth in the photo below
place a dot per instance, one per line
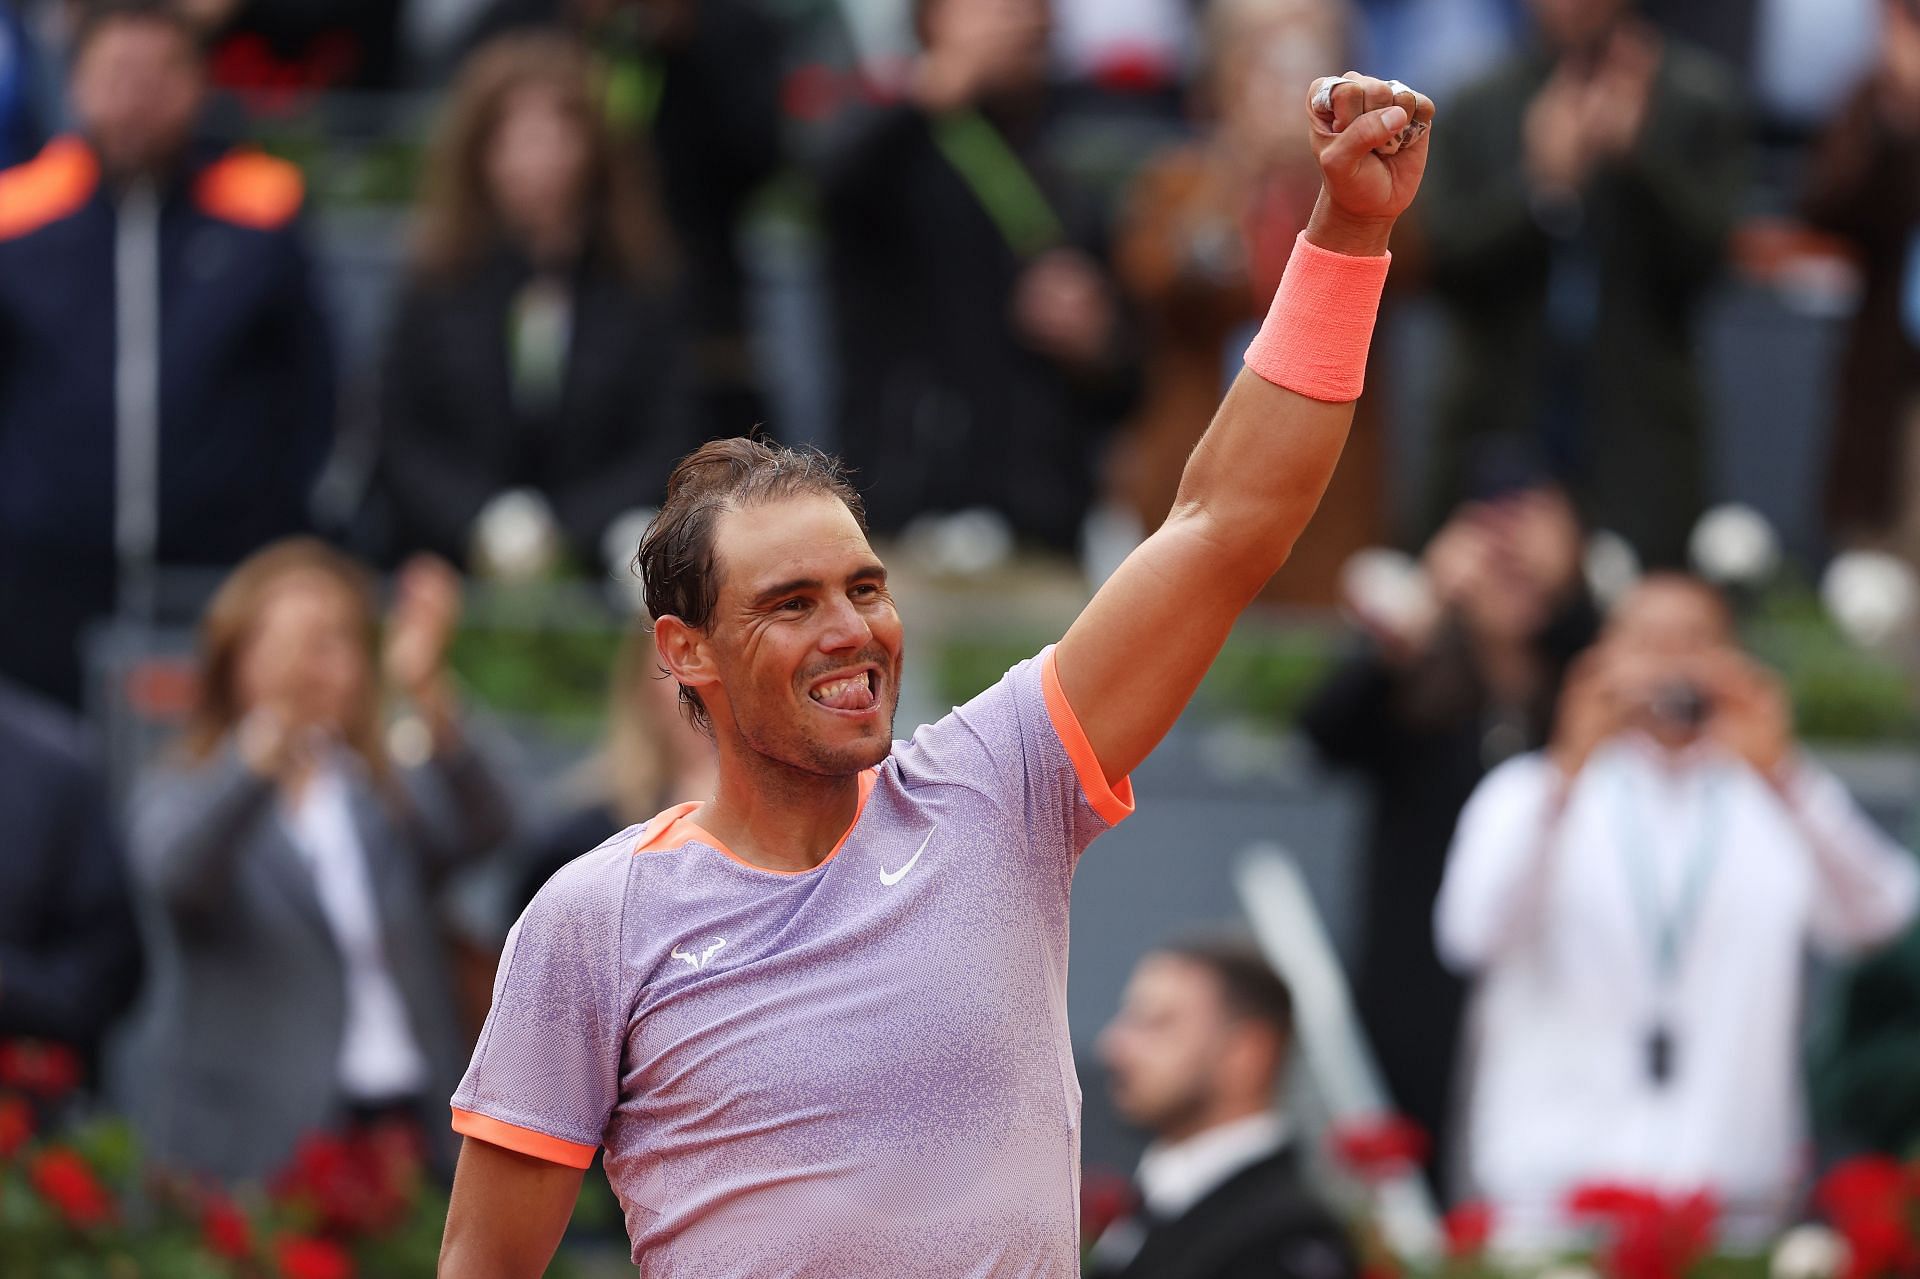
(848, 693)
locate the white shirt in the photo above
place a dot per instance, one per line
(380, 1059)
(1561, 933)
(1174, 1176)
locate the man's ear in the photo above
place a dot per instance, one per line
(685, 653)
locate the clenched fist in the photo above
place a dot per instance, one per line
(1370, 137)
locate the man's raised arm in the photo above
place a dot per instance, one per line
(1132, 660)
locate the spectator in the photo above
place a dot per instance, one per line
(1428, 704)
(1205, 234)
(652, 759)
(700, 81)
(1866, 188)
(285, 864)
(979, 341)
(165, 392)
(1195, 1057)
(1581, 197)
(535, 347)
(1636, 904)
(68, 958)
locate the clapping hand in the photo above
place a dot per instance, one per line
(420, 627)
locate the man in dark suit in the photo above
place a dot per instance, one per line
(1195, 1056)
(69, 959)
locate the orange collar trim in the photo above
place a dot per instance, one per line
(676, 827)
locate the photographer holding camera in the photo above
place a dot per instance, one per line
(1636, 904)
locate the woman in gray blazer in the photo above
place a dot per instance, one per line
(285, 862)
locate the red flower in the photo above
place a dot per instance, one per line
(1871, 1201)
(1469, 1226)
(1653, 1237)
(16, 1125)
(1105, 1197)
(1375, 1149)
(298, 1257)
(357, 1185)
(225, 1230)
(1610, 1201)
(43, 1069)
(67, 1181)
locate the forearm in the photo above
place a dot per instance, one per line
(1494, 895)
(1869, 886)
(186, 848)
(1257, 475)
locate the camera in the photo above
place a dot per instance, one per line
(1681, 703)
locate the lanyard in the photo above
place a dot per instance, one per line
(1000, 182)
(1668, 931)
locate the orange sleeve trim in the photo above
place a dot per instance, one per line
(252, 189)
(523, 1140)
(1114, 803)
(54, 184)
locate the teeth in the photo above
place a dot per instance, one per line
(826, 692)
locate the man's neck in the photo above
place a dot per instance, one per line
(777, 816)
(1218, 1116)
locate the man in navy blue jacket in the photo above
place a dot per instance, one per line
(165, 379)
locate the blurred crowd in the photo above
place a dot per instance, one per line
(1040, 235)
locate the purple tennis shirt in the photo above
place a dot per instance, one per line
(859, 1069)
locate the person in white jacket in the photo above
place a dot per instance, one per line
(1636, 904)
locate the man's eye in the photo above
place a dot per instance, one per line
(865, 591)
(792, 606)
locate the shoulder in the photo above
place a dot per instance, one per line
(252, 189)
(1512, 782)
(589, 893)
(54, 185)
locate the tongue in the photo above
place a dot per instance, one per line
(852, 697)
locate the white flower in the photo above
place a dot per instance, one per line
(1809, 1252)
(1734, 544)
(1872, 595)
(515, 537)
(1387, 589)
(963, 544)
(1612, 566)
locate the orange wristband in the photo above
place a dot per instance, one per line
(1317, 332)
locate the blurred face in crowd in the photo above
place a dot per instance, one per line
(306, 656)
(1006, 38)
(1662, 632)
(1264, 53)
(1573, 25)
(1175, 1049)
(136, 88)
(804, 642)
(537, 160)
(1505, 565)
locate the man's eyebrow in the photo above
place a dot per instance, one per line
(792, 586)
(874, 572)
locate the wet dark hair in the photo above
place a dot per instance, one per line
(676, 560)
(1249, 987)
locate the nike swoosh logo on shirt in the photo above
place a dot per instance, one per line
(890, 878)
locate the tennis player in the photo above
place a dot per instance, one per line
(817, 1024)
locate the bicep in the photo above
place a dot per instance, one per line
(1133, 658)
(507, 1214)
